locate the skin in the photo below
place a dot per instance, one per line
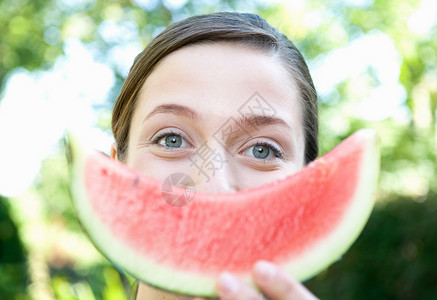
(214, 81)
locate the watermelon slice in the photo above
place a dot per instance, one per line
(303, 222)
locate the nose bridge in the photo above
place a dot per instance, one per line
(211, 169)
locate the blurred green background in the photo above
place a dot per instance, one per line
(374, 63)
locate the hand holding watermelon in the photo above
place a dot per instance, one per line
(271, 280)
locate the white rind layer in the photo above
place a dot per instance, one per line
(314, 260)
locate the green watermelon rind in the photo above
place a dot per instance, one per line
(332, 248)
(314, 260)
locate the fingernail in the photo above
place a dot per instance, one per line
(228, 284)
(265, 271)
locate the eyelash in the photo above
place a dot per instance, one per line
(275, 149)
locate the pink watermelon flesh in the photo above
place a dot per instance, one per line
(285, 221)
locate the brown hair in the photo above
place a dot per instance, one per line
(243, 28)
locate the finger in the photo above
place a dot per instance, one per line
(230, 288)
(277, 284)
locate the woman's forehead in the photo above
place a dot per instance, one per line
(223, 79)
(221, 65)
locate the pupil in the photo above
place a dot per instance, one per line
(260, 151)
(173, 141)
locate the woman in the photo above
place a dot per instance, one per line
(233, 85)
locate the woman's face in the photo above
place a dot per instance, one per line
(226, 115)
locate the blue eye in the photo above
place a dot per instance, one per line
(260, 151)
(264, 151)
(170, 140)
(173, 141)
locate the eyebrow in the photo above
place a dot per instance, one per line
(248, 120)
(176, 109)
(259, 120)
